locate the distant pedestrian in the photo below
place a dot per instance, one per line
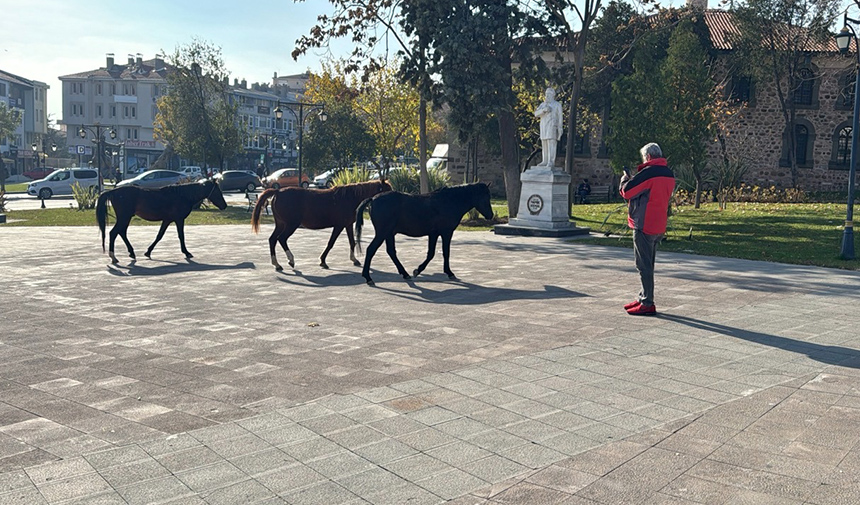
(583, 190)
(648, 194)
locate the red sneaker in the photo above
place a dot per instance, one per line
(643, 310)
(632, 305)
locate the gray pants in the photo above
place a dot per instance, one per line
(645, 251)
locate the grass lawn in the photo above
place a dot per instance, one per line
(803, 233)
(73, 217)
(20, 187)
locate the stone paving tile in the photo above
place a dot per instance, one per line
(581, 411)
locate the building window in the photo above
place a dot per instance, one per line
(801, 142)
(113, 111)
(112, 88)
(99, 89)
(741, 88)
(98, 111)
(804, 140)
(804, 93)
(133, 111)
(843, 147)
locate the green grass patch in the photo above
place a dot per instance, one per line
(74, 217)
(797, 233)
(20, 187)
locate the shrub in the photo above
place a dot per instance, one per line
(85, 197)
(745, 193)
(408, 180)
(352, 175)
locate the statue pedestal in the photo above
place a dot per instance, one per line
(543, 210)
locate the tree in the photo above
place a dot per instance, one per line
(9, 121)
(340, 141)
(195, 118)
(410, 24)
(775, 40)
(690, 98)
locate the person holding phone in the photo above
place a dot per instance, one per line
(648, 194)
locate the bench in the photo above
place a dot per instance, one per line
(252, 202)
(599, 194)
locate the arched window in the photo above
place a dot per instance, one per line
(843, 146)
(801, 142)
(804, 140)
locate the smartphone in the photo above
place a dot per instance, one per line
(627, 171)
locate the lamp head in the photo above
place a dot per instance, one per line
(278, 112)
(112, 133)
(33, 146)
(82, 133)
(843, 39)
(323, 116)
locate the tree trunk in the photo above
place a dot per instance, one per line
(164, 158)
(698, 192)
(571, 124)
(510, 160)
(422, 146)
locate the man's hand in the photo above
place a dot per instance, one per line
(624, 178)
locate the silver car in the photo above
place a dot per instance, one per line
(154, 179)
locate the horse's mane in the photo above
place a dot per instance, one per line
(448, 191)
(194, 190)
(359, 190)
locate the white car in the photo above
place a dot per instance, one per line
(326, 179)
(192, 172)
(60, 182)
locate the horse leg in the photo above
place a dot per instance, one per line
(368, 255)
(120, 229)
(351, 238)
(180, 230)
(446, 254)
(273, 241)
(431, 251)
(282, 238)
(392, 253)
(161, 230)
(335, 232)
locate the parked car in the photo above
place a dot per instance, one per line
(285, 177)
(155, 179)
(38, 173)
(194, 173)
(326, 179)
(60, 182)
(237, 180)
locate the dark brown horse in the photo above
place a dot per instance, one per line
(315, 209)
(433, 215)
(171, 204)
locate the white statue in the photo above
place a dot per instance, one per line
(551, 127)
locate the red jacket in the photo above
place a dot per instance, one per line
(648, 194)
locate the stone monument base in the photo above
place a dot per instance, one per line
(543, 210)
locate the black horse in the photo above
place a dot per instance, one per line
(435, 215)
(171, 204)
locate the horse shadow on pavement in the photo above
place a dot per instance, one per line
(445, 291)
(134, 268)
(829, 354)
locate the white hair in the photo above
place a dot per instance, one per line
(653, 150)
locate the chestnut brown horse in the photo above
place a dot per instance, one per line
(171, 204)
(315, 209)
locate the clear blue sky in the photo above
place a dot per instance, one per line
(44, 39)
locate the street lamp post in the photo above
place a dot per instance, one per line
(44, 154)
(96, 129)
(843, 41)
(301, 122)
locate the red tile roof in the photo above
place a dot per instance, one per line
(723, 29)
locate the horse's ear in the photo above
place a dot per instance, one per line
(489, 184)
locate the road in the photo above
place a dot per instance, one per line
(23, 201)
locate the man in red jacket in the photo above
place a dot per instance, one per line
(648, 194)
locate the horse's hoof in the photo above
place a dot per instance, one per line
(406, 277)
(148, 255)
(189, 255)
(416, 272)
(279, 268)
(114, 261)
(324, 266)
(132, 256)
(356, 263)
(292, 265)
(370, 283)
(452, 277)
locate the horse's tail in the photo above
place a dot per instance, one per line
(359, 221)
(262, 201)
(102, 214)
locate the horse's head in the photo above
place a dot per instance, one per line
(482, 200)
(214, 195)
(383, 186)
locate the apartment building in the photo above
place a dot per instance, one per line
(120, 96)
(270, 141)
(28, 99)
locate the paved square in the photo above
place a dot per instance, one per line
(219, 380)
